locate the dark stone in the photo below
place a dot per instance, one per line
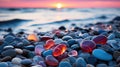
(26, 62)
(7, 58)
(62, 28)
(9, 52)
(91, 60)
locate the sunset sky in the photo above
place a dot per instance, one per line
(65, 3)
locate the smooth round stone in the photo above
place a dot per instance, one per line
(80, 62)
(33, 37)
(8, 47)
(19, 51)
(37, 59)
(84, 55)
(59, 50)
(49, 44)
(71, 42)
(30, 47)
(39, 49)
(9, 52)
(102, 55)
(47, 52)
(58, 41)
(85, 35)
(111, 36)
(112, 63)
(9, 39)
(118, 59)
(91, 60)
(3, 64)
(89, 65)
(25, 42)
(50, 60)
(73, 53)
(75, 47)
(101, 65)
(19, 45)
(5, 59)
(61, 57)
(87, 45)
(26, 62)
(31, 54)
(66, 38)
(100, 39)
(62, 28)
(42, 63)
(16, 60)
(64, 64)
(72, 59)
(45, 38)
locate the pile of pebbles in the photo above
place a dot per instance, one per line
(96, 45)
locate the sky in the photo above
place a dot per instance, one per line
(65, 3)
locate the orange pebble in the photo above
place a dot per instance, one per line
(49, 44)
(32, 37)
(59, 50)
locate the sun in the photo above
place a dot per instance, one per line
(59, 5)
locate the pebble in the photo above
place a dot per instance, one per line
(91, 60)
(19, 51)
(42, 63)
(39, 49)
(111, 36)
(49, 43)
(66, 38)
(101, 65)
(3, 64)
(8, 47)
(71, 42)
(16, 60)
(116, 54)
(64, 64)
(58, 41)
(100, 39)
(118, 59)
(33, 37)
(26, 62)
(75, 47)
(47, 52)
(89, 65)
(9, 52)
(72, 59)
(5, 59)
(112, 63)
(80, 62)
(59, 50)
(84, 55)
(50, 60)
(29, 47)
(87, 45)
(37, 66)
(37, 59)
(9, 39)
(102, 55)
(73, 53)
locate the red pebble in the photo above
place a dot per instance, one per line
(49, 44)
(45, 38)
(101, 39)
(59, 50)
(87, 45)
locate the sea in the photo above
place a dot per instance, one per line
(46, 19)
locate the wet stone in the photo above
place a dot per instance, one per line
(101, 65)
(3, 64)
(66, 38)
(47, 52)
(26, 62)
(80, 62)
(50, 60)
(91, 60)
(16, 60)
(9, 52)
(64, 64)
(37, 59)
(5, 59)
(116, 54)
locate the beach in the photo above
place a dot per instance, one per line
(63, 42)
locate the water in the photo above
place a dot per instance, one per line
(45, 19)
